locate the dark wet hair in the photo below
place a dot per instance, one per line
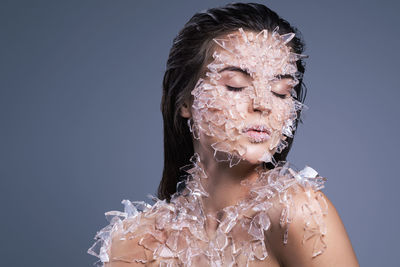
(189, 53)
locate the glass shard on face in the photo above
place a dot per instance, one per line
(245, 105)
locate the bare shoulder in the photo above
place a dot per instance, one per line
(125, 249)
(306, 230)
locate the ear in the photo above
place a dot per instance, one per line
(185, 110)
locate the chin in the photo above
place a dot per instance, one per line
(257, 154)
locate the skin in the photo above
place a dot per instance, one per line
(225, 189)
(251, 110)
(232, 93)
(295, 253)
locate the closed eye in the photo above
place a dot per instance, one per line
(279, 95)
(234, 89)
(284, 76)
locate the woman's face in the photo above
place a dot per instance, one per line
(244, 107)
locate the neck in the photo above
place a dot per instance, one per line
(223, 183)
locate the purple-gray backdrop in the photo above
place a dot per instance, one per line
(80, 88)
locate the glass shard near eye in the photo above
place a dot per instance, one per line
(294, 57)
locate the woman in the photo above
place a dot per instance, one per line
(232, 96)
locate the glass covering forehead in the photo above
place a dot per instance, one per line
(264, 54)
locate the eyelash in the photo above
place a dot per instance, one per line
(279, 95)
(238, 89)
(234, 89)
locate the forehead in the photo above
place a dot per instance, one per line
(263, 54)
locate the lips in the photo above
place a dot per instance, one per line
(257, 133)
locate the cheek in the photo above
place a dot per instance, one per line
(242, 108)
(280, 113)
(223, 116)
(228, 105)
(210, 113)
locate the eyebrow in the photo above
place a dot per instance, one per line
(245, 72)
(233, 68)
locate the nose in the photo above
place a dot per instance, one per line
(261, 104)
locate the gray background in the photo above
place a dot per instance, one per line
(81, 128)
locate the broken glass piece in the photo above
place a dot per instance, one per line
(259, 249)
(176, 233)
(286, 38)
